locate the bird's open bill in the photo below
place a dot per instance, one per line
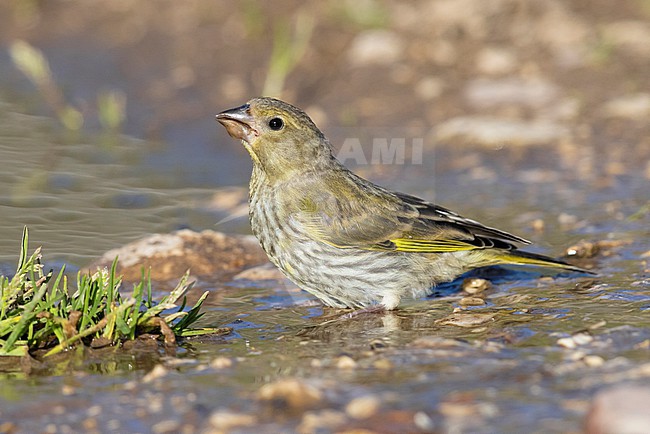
(238, 122)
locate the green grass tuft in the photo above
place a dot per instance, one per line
(37, 311)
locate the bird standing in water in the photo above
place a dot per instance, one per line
(349, 242)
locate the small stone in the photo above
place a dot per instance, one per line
(466, 320)
(327, 420)
(567, 220)
(100, 342)
(644, 345)
(538, 225)
(158, 371)
(436, 342)
(593, 361)
(461, 409)
(423, 421)
(429, 88)
(472, 301)
(94, 411)
(363, 407)
(457, 409)
(636, 107)
(583, 338)
(619, 410)
(495, 60)
(566, 343)
(575, 340)
(226, 420)
(8, 427)
(585, 249)
(221, 363)
(89, 424)
(67, 390)
(345, 362)
(474, 285)
(576, 356)
(166, 426)
(291, 392)
(170, 255)
(383, 364)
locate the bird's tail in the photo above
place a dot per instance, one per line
(518, 257)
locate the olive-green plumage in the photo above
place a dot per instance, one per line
(344, 239)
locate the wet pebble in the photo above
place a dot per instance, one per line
(575, 340)
(619, 410)
(166, 426)
(170, 255)
(475, 285)
(588, 249)
(423, 421)
(100, 342)
(292, 393)
(463, 413)
(437, 342)
(8, 427)
(322, 420)
(429, 88)
(67, 390)
(226, 420)
(636, 107)
(472, 301)
(90, 424)
(221, 363)
(383, 364)
(467, 320)
(158, 371)
(496, 60)
(363, 407)
(593, 361)
(345, 362)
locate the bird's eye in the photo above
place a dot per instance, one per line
(276, 124)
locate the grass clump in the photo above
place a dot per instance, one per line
(38, 312)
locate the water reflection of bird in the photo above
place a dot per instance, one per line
(350, 242)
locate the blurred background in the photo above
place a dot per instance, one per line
(534, 116)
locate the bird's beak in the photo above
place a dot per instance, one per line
(239, 123)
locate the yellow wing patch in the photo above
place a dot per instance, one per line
(431, 246)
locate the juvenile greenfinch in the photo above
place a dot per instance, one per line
(349, 242)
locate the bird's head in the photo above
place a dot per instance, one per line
(280, 138)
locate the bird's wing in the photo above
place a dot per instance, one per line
(372, 218)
